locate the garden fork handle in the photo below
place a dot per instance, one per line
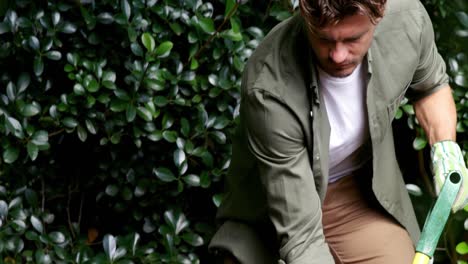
(437, 219)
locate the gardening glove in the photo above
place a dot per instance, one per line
(446, 158)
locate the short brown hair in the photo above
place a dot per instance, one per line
(320, 13)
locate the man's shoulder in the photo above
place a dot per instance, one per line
(276, 57)
(403, 13)
(402, 6)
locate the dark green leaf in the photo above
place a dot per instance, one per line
(192, 180)
(78, 89)
(57, 237)
(4, 27)
(126, 8)
(419, 143)
(15, 203)
(408, 109)
(33, 150)
(112, 190)
(221, 122)
(256, 32)
(40, 138)
(31, 109)
(398, 113)
(230, 4)
(70, 122)
(130, 113)
(23, 82)
(31, 197)
(176, 220)
(177, 28)
(54, 55)
(463, 18)
(122, 94)
(164, 49)
(164, 174)
(11, 91)
(68, 28)
(219, 137)
(33, 42)
(118, 105)
(144, 113)
(461, 80)
(462, 248)
(105, 18)
(170, 136)
(37, 224)
(148, 42)
(207, 25)
(136, 49)
(231, 35)
(15, 127)
(42, 257)
(93, 86)
(193, 239)
(90, 126)
(167, 121)
(19, 225)
(110, 244)
(160, 101)
(205, 180)
(3, 209)
(82, 134)
(38, 65)
(179, 157)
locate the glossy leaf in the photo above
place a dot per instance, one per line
(164, 49)
(207, 25)
(57, 237)
(126, 8)
(23, 82)
(148, 42)
(419, 143)
(15, 127)
(179, 157)
(110, 244)
(37, 224)
(33, 150)
(193, 239)
(164, 174)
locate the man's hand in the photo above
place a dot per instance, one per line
(446, 158)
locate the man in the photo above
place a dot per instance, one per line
(314, 177)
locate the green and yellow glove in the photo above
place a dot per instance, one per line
(446, 158)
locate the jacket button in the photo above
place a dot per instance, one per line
(317, 157)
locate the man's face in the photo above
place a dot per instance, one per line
(340, 48)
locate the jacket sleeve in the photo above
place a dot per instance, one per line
(430, 74)
(275, 138)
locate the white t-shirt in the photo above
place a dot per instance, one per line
(345, 100)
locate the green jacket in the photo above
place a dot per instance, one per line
(278, 175)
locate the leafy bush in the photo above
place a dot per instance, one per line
(115, 119)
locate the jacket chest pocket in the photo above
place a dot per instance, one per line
(395, 103)
(381, 119)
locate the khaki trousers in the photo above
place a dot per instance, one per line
(360, 233)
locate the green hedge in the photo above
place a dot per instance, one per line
(115, 119)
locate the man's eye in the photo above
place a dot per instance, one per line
(352, 40)
(325, 40)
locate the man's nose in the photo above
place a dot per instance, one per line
(338, 53)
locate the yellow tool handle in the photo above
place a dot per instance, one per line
(420, 258)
